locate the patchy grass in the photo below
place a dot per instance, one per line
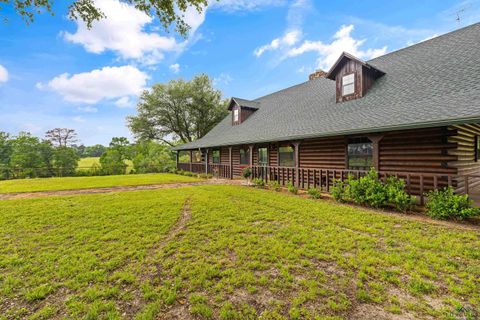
(243, 254)
(89, 162)
(73, 183)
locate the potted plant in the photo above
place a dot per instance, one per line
(246, 174)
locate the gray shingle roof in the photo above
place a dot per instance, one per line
(436, 82)
(246, 103)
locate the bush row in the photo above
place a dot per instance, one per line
(371, 191)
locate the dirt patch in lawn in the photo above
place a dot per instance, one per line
(41, 194)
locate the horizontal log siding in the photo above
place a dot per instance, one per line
(422, 151)
(325, 153)
(224, 156)
(273, 155)
(464, 139)
(236, 161)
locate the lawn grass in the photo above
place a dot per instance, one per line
(89, 162)
(73, 183)
(244, 253)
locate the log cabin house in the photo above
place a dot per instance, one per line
(413, 113)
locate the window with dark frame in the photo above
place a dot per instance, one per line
(360, 154)
(263, 156)
(216, 156)
(244, 156)
(286, 156)
(348, 84)
(477, 148)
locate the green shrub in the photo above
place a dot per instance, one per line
(274, 185)
(371, 191)
(396, 195)
(368, 190)
(203, 176)
(314, 193)
(189, 174)
(338, 190)
(445, 204)
(258, 183)
(291, 188)
(246, 172)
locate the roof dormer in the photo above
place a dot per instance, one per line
(241, 109)
(353, 77)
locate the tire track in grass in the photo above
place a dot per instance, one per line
(149, 275)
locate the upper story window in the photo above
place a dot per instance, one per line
(236, 114)
(216, 156)
(286, 157)
(348, 84)
(360, 154)
(244, 156)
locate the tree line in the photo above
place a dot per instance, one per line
(175, 112)
(27, 156)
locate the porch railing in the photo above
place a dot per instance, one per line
(415, 183)
(217, 170)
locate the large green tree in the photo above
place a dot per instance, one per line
(178, 110)
(169, 12)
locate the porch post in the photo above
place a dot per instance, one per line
(296, 145)
(230, 161)
(191, 160)
(376, 149)
(250, 147)
(177, 159)
(206, 161)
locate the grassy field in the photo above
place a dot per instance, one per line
(72, 183)
(87, 163)
(237, 253)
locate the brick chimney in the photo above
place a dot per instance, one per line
(317, 74)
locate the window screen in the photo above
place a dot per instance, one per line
(286, 157)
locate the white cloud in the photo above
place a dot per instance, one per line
(78, 119)
(289, 39)
(292, 35)
(175, 68)
(222, 79)
(246, 5)
(329, 52)
(99, 84)
(124, 102)
(3, 74)
(88, 109)
(123, 32)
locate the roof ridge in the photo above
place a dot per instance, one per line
(426, 41)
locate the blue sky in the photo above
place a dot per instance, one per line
(56, 73)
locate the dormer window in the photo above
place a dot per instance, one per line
(241, 109)
(235, 115)
(348, 84)
(353, 77)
